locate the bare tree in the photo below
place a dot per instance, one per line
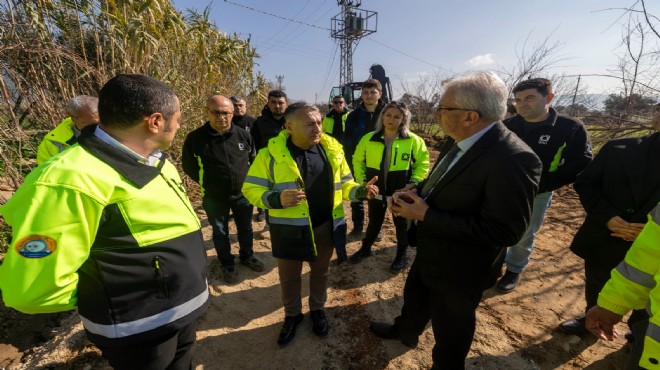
(421, 96)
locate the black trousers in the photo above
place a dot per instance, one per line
(377, 211)
(452, 315)
(172, 352)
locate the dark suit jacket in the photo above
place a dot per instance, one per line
(623, 180)
(482, 205)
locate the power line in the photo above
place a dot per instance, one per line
(327, 77)
(276, 16)
(409, 56)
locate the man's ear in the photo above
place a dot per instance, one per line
(471, 118)
(549, 97)
(288, 125)
(155, 123)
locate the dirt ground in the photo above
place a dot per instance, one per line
(239, 331)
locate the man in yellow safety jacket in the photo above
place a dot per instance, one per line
(301, 177)
(107, 228)
(634, 285)
(83, 111)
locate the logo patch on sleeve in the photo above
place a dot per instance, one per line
(405, 156)
(36, 246)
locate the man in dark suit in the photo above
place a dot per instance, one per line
(618, 190)
(476, 202)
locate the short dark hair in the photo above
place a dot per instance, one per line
(236, 99)
(277, 94)
(128, 98)
(338, 97)
(542, 85)
(372, 82)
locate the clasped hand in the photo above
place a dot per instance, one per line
(408, 204)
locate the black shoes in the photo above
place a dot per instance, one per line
(358, 256)
(398, 264)
(508, 282)
(288, 330)
(230, 274)
(386, 331)
(319, 323)
(573, 326)
(253, 263)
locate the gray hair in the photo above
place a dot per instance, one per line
(293, 109)
(404, 128)
(482, 91)
(82, 104)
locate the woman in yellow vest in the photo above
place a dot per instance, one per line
(400, 160)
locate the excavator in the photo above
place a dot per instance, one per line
(352, 90)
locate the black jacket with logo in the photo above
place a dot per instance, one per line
(218, 162)
(245, 122)
(562, 144)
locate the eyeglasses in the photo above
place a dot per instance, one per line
(451, 108)
(338, 102)
(218, 113)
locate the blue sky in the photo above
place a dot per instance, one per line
(454, 35)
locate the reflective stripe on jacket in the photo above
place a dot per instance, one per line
(273, 171)
(634, 285)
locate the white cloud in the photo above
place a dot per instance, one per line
(481, 60)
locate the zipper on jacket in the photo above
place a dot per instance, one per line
(396, 154)
(163, 293)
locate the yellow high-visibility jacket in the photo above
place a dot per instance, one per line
(635, 284)
(56, 141)
(273, 171)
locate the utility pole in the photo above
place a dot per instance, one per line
(577, 86)
(280, 79)
(348, 27)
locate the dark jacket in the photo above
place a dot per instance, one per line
(266, 127)
(480, 206)
(623, 180)
(218, 162)
(245, 122)
(562, 144)
(359, 123)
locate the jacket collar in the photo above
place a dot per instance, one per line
(279, 151)
(137, 173)
(212, 131)
(378, 136)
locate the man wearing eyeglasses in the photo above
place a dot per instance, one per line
(475, 202)
(562, 144)
(217, 156)
(334, 122)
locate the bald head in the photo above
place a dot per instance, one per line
(219, 111)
